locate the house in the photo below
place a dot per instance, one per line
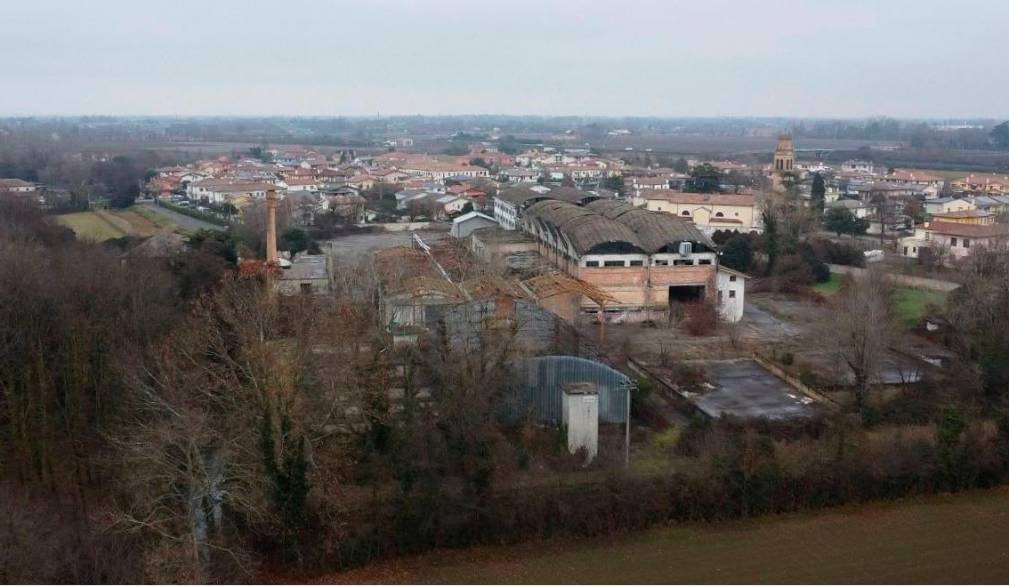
(981, 183)
(225, 190)
(996, 204)
(953, 240)
(452, 205)
(708, 211)
(16, 186)
(640, 184)
(978, 217)
(300, 183)
(349, 206)
(945, 205)
(858, 166)
(520, 175)
(913, 177)
(858, 208)
(651, 263)
(889, 191)
(464, 225)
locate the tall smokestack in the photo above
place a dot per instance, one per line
(271, 226)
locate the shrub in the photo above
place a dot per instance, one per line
(699, 319)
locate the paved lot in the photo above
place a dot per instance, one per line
(894, 369)
(765, 325)
(744, 389)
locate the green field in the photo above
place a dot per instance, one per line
(943, 539)
(830, 286)
(910, 304)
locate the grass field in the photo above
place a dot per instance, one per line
(102, 225)
(829, 287)
(943, 539)
(909, 304)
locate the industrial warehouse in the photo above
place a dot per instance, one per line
(649, 262)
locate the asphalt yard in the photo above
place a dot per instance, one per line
(743, 388)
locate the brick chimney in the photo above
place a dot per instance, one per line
(271, 227)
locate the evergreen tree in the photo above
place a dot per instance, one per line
(818, 192)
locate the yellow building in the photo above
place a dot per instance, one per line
(975, 217)
(708, 211)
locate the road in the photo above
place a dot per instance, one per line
(185, 222)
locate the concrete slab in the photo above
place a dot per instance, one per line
(745, 389)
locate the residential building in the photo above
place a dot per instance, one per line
(981, 183)
(859, 166)
(953, 241)
(945, 205)
(977, 217)
(858, 208)
(16, 186)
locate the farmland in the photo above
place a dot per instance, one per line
(102, 225)
(897, 542)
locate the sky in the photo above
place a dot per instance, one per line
(812, 58)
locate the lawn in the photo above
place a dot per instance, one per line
(941, 539)
(910, 304)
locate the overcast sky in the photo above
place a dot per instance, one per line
(848, 58)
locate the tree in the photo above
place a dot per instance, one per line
(737, 253)
(615, 183)
(862, 327)
(842, 221)
(704, 178)
(818, 192)
(770, 220)
(1000, 135)
(479, 162)
(295, 240)
(681, 165)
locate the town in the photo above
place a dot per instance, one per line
(541, 292)
(655, 309)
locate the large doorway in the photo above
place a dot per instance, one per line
(681, 296)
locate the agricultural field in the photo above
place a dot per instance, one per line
(954, 539)
(102, 225)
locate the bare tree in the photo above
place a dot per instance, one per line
(861, 327)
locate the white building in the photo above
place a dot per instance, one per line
(731, 285)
